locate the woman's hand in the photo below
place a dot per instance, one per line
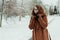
(40, 15)
(33, 17)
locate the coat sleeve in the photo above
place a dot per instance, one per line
(32, 23)
(43, 21)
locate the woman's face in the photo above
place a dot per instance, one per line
(35, 10)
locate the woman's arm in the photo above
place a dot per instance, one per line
(32, 22)
(43, 21)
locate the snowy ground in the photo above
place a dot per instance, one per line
(19, 30)
(54, 28)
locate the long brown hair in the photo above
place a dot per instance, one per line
(40, 10)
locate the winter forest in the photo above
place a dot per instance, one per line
(15, 17)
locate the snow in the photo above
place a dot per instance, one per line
(54, 28)
(13, 29)
(50, 2)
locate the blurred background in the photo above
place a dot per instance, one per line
(15, 17)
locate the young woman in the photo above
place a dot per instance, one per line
(38, 23)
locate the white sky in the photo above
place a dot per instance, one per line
(50, 2)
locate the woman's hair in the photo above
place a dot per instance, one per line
(40, 10)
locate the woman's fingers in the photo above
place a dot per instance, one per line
(40, 15)
(33, 16)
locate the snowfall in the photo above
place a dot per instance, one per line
(13, 29)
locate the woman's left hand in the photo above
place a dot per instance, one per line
(39, 15)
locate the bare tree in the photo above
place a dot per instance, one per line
(9, 8)
(1, 13)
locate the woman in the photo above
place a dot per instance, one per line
(38, 23)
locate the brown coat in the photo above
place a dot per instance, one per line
(39, 27)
